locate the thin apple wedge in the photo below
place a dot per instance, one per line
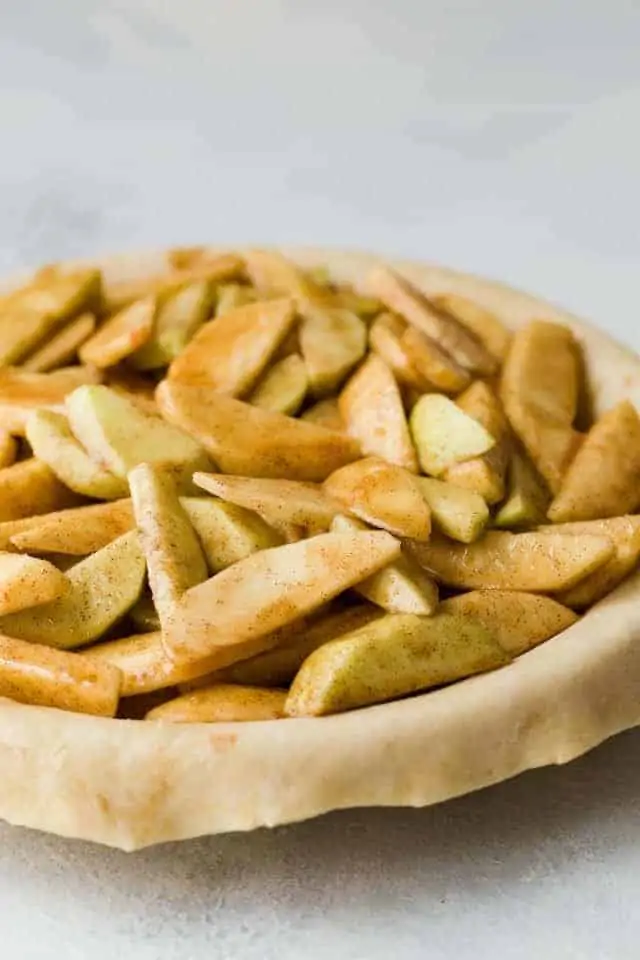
(230, 296)
(119, 435)
(79, 531)
(144, 616)
(400, 587)
(248, 441)
(176, 321)
(386, 340)
(121, 335)
(325, 413)
(461, 514)
(482, 322)
(392, 657)
(39, 676)
(365, 306)
(278, 667)
(30, 487)
(604, 478)
(143, 663)
(484, 474)
(539, 391)
(53, 443)
(399, 295)
(40, 309)
(13, 528)
(172, 550)
(215, 270)
(102, 588)
(228, 533)
(527, 499)
(434, 363)
(382, 494)
(332, 341)
(272, 274)
(279, 502)
(22, 392)
(284, 386)
(62, 347)
(445, 435)
(133, 386)
(229, 354)
(8, 449)
(222, 703)
(532, 562)
(234, 615)
(624, 534)
(371, 407)
(26, 582)
(519, 621)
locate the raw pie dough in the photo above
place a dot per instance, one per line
(130, 784)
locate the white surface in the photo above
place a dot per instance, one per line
(497, 137)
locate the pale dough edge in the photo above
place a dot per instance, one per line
(131, 784)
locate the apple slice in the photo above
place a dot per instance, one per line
(402, 297)
(42, 307)
(624, 534)
(283, 387)
(534, 562)
(461, 514)
(251, 442)
(53, 443)
(30, 487)
(229, 354)
(121, 335)
(218, 269)
(540, 395)
(434, 363)
(382, 494)
(333, 341)
(170, 545)
(62, 347)
(527, 495)
(400, 587)
(279, 502)
(389, 658)
(234, 615)
(102, 588)
(78, 531)
(22, 392)
(519, 621)
(26, 582)
(480, 321)
(228, 533)
(325, 413)
(177, 320)
(372, 409)
(484, 474)
(385, 338)
(8, 449)
(445, 435)
(603, 479)
(278, 667)
(119, 435)
(230, 296)
(222, 703)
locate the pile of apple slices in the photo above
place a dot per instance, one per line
(241, 491)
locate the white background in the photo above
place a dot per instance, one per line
(495, 136)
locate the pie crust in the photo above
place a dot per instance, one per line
(129, 784)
